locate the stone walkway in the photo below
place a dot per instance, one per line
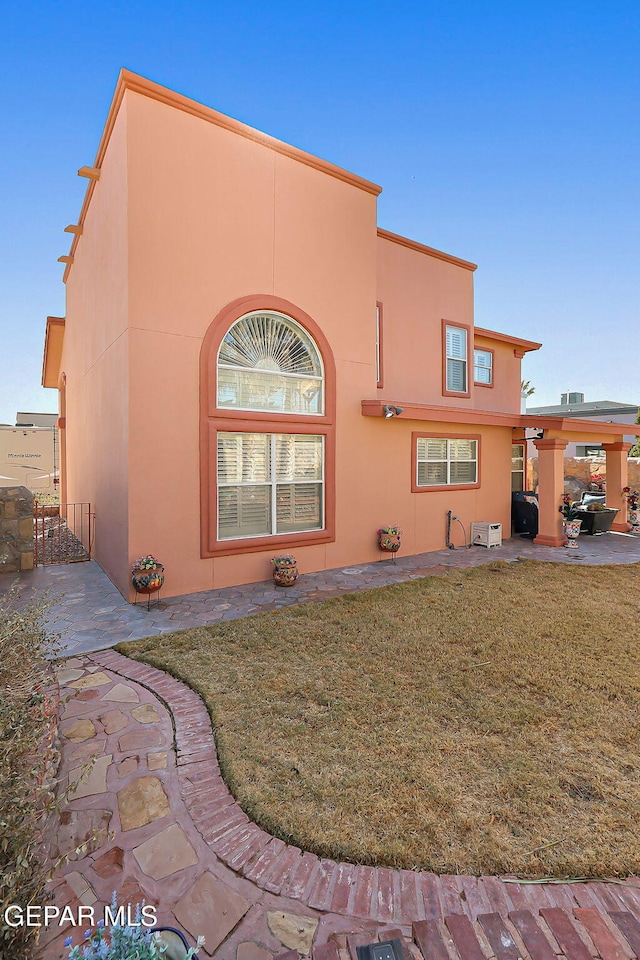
(159, 823)
(90, 613)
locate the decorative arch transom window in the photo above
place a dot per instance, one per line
(268, 362)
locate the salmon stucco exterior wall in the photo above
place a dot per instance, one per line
(190, 214)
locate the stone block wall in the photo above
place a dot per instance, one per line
(16, 529)
(578, 470)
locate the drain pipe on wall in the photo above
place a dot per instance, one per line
(451, 516)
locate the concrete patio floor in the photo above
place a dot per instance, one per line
(90, 614)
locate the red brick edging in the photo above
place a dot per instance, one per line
(379, 894)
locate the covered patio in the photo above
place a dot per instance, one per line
(555, 433)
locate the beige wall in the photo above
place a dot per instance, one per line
(27, 458)
(95, 361)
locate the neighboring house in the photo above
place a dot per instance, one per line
(249, 365)
(573, 405)
(29, 452)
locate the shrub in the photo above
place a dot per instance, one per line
(28, 762)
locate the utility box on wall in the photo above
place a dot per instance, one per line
(486, 534)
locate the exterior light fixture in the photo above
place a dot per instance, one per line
(387, 950)
(390, 411)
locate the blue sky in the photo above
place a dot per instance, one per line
(504, 133)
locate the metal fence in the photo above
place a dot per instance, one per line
(63, 534)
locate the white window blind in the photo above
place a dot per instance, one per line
(443, 462)
(268, 361)
(456, 359)
(483, 366)
(269, 484)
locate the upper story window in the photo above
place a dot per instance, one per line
(456, 359)
(268, 362)
(379, 377)
(483, 367)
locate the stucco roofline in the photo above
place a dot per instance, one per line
(53, 340)
(147, 88)
(467, 415)
(422, 248)
(574, 425)
(523, 345)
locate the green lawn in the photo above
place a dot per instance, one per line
(477, 722)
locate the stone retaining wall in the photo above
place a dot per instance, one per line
(578, 470)
(16, 529)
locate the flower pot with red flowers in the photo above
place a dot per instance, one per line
(572, 521)
(633, 507)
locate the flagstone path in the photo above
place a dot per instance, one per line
(90, 614)
(150, 816)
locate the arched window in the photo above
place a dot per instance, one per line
(268, 362)
(267, 429)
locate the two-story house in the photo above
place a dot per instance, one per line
(249, 365)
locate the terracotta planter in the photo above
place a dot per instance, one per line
(285, 574)
(148, 581)
(389, 542)
(571, 532)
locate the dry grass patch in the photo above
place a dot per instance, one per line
(477, 722)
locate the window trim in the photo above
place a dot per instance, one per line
(297, 376)
(523, 444)
(479, 383)
(445, 390)
(228, 420)
(379, 344)
(273, 484)
(435, 435)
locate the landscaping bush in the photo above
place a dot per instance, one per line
(28, 762)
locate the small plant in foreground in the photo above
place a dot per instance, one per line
(123, 941)
(284, 560)
(632, 497)
(146, 563)
(391, 531)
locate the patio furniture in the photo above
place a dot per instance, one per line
(524, 513)
(596, 521)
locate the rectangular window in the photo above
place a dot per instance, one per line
(379, 380)
(456, 359)
(269, 484)
(442, 462)
(517, 466)
(483, 367)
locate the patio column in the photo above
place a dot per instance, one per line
(616, 480)
(550, 490)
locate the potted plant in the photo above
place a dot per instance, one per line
(147, 577)
(572, 521)
(596, 518)
(123, 941)
(633, 503)
(389, 538)
(285, 570)
(598, 483)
